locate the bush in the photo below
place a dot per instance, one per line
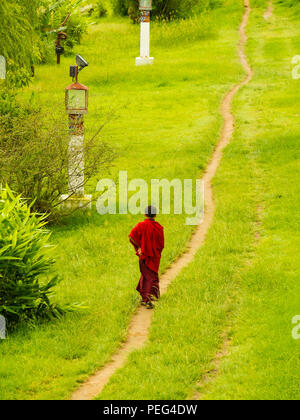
(24, 260)
(120, 7)
(28, 32)
(16, 39)
(51, 15)
(76, 28)
(8, 104)
(34, 155)
(101, 9)
(133, 11)
(162, 9)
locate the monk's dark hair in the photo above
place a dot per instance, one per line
(151, 211)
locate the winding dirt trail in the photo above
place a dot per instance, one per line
(141, 321)
(269, 12)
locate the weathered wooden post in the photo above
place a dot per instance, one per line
(144, 59)
(76, 107)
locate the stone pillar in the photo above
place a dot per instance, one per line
(76, 197)
(76, 155)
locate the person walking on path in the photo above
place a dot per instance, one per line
(147, 238)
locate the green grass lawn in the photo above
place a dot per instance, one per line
(167, 126)
(251, 288)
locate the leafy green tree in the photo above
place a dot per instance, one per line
(28, 31)
(16, 39)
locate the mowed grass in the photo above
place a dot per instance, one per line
(241, 283)
(167, 126)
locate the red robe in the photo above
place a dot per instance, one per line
(149, 236)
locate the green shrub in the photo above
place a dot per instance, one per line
(8, 103)
(163, 9)
(28, 32)
(133, 11)
(101, 9)
(24, 262)
(52, 15)
(120, 7)
(16, 39)
(76, 28)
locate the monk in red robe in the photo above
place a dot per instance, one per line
(148, 240)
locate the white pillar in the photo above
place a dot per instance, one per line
(145, 58)
(145, 40)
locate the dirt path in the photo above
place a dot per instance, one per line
(141, 321)
(269, 12)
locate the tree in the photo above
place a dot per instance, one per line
(165, 9)
(16, 39)
(28, 31)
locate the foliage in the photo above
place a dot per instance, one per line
(24, 260)
(120, 7)
(28, 31)
(166, 9)
(16, 39)
(76, 28)
(34, 154)
(133, 11)
(101, 8)
(63, 15)
(8, 104)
